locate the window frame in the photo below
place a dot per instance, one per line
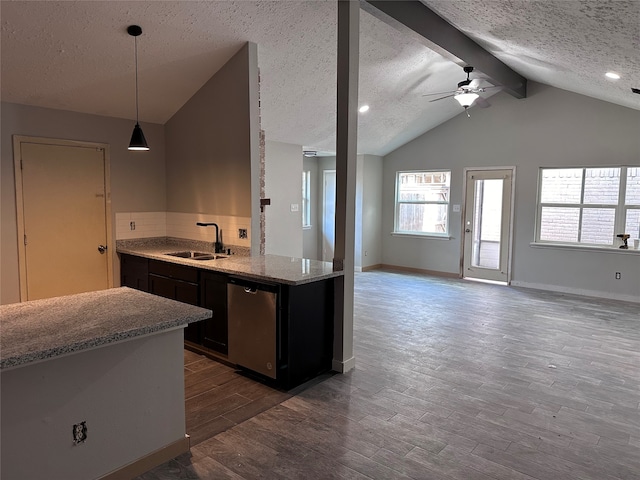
(397, 203)
(620, 209)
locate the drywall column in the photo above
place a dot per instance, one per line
(346, 152)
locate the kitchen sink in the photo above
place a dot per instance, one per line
(196, 255)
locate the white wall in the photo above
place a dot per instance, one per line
(551, 127)
(283, 185)
(310, 234)
(131, 394)
(138, 181)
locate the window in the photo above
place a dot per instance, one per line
(306, 199)
(588, 206)
(422, 202)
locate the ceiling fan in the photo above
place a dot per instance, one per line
(466, 93)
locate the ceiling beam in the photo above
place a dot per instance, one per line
(422, 23)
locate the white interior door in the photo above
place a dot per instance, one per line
(487, 224)
(328, 215)
(63, 219)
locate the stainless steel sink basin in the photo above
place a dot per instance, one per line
(196, 255)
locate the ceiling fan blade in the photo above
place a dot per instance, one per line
(475, 84)
(439, 93)
(447, 96)
(482, 102)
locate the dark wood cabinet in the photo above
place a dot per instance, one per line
(213, 295)
(304, 315)
(306, 332)
(134, 272)
(179, 283)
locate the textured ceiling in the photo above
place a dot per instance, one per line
(77, 56)
(568, 44)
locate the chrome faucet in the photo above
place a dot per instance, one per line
(217, 246)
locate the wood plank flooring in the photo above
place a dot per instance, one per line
(453, 380)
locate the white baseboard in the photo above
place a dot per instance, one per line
(343, 366)
(577, 291)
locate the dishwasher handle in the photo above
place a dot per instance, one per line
(250, 290)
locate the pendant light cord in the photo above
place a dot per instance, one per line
(135, 39)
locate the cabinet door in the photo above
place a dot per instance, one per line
(134, 272)
(213, 295)
(181, 291)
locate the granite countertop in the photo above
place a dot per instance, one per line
(269, 268)
(45, 329)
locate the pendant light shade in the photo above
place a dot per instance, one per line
(138, 142)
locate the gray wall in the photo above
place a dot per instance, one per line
(283, 185)
(208, 145)
(137, 178)
(310, 234)
(369, 169)
(371, 226)
(551, 127)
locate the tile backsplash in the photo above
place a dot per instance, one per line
(182, 225)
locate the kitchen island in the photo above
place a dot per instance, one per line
(92, 384)
(273, 315)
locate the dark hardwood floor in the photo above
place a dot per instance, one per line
(453, 380)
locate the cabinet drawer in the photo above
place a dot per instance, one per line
(171, 270)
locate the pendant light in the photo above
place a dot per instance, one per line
(138, 142)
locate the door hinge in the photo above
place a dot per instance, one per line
(25, 238)
(21, 165)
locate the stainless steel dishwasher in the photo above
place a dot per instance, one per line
(252, 313)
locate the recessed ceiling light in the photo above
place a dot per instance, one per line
(612, 75)
(363, 108)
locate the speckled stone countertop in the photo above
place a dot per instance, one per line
(269, 268)
(45, 329)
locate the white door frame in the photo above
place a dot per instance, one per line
(463, 216)
(18, 140)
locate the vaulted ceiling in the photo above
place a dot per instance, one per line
(76, 55)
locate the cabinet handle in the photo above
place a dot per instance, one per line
(250, 290)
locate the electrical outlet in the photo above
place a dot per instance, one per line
(618, 276)
(242, 233)
(294, 207)
(79, 433)
(132, 225)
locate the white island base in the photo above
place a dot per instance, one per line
(130, 393)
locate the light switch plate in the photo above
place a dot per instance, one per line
(456, 208)
(294, 207)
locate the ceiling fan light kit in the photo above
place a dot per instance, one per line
(137, 142)
(466, 93)
(466, 99)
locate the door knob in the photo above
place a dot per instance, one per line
(102, 249)
(467, 230)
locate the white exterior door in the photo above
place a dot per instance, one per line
(487, 224)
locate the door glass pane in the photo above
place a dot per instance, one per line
(487, 223)
(601, 185)
(559, 224)
(598, 225)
